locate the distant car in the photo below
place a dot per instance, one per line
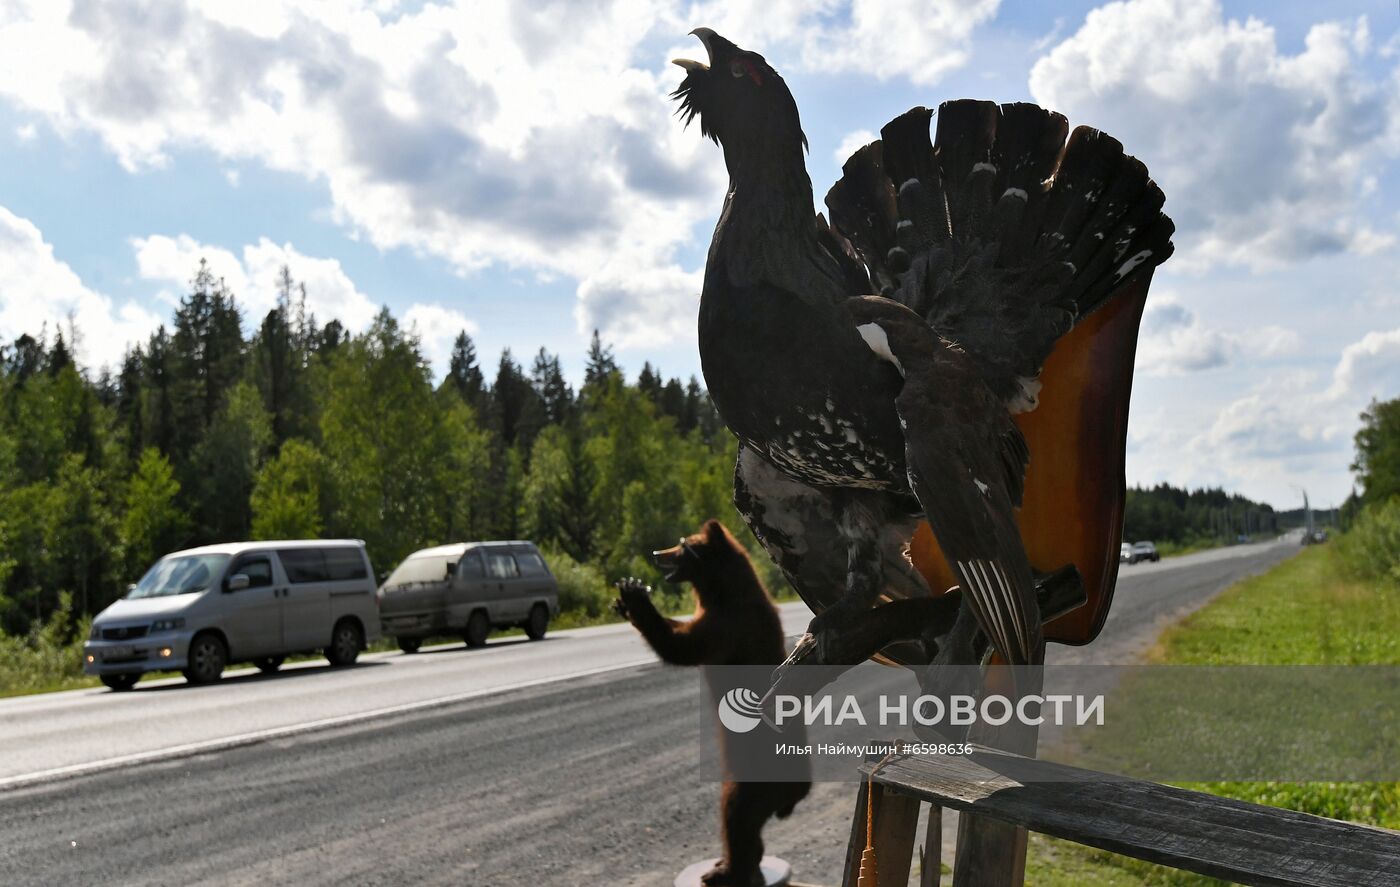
(1143, 551)
(467, 589)
(199, 610)
(1125, 554)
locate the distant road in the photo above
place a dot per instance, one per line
(54, 733)
(566, 761)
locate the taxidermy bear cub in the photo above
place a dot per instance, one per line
(735, 623)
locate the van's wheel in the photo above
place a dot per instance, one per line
(207, 659)
(346, 643)
(119, 683)
(478, 627)
(269, 664)
(410, 645)
(538, 623)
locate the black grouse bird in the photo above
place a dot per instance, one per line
(858, 413)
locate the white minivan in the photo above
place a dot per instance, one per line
(200, 609)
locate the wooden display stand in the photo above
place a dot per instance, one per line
(1210, 835)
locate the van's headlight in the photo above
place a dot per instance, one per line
(95, 632)
(166, 625)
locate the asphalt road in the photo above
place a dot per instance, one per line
(565, 762)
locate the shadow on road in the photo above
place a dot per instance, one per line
(490, 645)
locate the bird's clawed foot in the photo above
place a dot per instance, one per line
(806, 651)
(821, 645)
(935, 630)
(847, 638)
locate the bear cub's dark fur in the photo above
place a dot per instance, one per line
(735, 623)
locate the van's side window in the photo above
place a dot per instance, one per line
(344, 563)
(303, 564)
(258, 569)
(530, 564)
(503, 566)
(470, 565)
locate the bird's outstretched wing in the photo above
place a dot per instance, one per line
(1002, 234)
(966, 462)
(967, 468)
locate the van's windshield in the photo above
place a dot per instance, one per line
(424, 568)
(180, 575)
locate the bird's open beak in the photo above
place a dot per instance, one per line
(691, 64)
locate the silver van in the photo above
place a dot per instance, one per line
(200, 609)
(467, 589)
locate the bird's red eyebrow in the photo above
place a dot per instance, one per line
(749, 66)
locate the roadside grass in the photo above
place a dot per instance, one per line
(1306, 611)
(1176, 549)
(49, 659)
(1309, 610)
(1192, 546)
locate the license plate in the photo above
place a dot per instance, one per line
(122, 652)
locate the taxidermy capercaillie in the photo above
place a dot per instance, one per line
(887, 365)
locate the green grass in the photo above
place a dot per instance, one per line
(1176, 549)
(1306, 611)
(50, 659)
(1191, 546)
(1309, 610)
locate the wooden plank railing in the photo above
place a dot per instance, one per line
(1238, 841)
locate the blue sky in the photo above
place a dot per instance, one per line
(515, 170)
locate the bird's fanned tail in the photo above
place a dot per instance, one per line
(1002, 233)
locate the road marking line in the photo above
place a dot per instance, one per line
(226, 743)
(38, 777)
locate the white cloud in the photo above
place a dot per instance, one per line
(449, 130)
(1296, 428)
(852, 143)
(252, 277)
(1051, 37)
(917, 39)
(922, 40)
(1369, 368)
(637, 311)
(38, 290)
(533, 136)
(437, 328)
(1174, 342)
(1265, 157)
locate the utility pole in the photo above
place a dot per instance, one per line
(1308, 525)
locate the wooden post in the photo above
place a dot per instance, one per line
(931, 861)
(896, 823)
(992, 853)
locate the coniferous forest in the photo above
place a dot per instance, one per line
(1182, 518)
(225, 427)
